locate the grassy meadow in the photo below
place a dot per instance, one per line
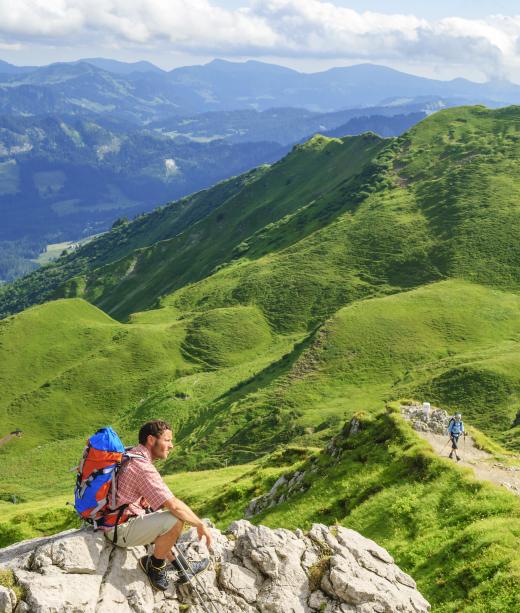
(261, 315)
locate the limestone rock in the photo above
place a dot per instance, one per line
(255, 570)
(7, 600)
(434, 420)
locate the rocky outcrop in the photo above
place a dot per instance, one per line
(255, 570)
(283, 488)
(434, 420)
(296, 482)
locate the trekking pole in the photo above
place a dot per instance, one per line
(184, 562)
(445, 445)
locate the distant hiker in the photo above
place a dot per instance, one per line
(152, 514)
(426, 410)
(455, 430)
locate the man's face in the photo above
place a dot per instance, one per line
(161, 445)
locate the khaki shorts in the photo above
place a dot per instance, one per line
(142, 530)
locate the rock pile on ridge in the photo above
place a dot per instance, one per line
(255, 570)
(435, 420)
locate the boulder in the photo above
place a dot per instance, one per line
(7, 600)
(255, 570)
(435, 420)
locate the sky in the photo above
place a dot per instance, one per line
(479, 40)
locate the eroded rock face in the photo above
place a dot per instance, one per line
(255, 570)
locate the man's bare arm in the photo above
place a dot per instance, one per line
(183, 512)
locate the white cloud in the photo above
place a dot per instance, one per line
(10, 46)
(282, 28)
(171, 168)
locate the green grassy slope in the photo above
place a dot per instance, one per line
(235, 389)
(442, 200)
(457, 537)
(436, 203)
(408, 344)
(439, 201)
(336, 221)
(324, 175)
(68, 368)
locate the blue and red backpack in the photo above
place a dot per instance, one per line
(96, 482)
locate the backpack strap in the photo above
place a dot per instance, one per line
(126, 458)
(118, 519)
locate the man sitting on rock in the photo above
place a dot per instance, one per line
(153, 514)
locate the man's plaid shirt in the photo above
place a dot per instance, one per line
(140, 485)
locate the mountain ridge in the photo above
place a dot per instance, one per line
(353, 276)
(202, 88)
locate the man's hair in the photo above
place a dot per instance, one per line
(155, 428)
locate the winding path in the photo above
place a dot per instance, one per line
(484, 465)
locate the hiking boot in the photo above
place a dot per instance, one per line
(157, 576)
(458, 458)
(186, 573)
(451, 456)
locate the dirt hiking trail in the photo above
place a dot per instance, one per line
(485, 466)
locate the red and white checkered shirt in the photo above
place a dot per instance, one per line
(139, 484)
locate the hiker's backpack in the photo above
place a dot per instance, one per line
(95, 491)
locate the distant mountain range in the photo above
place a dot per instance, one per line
(64, 176)
(142, 92)
(83, 143)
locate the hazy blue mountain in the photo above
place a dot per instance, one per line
(381, 125)
(122, 67)
(6, 68)
(62, 177)
(143, 93)
(81, 88)
(262, 86)
(284, 125)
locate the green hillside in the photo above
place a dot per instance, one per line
(458, 537)
(411, 344)
(440, 201)
(235, 388)
(265, 267)
(260, 315)
(69, 369)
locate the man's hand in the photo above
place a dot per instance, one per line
(204, 532)
(183, 512)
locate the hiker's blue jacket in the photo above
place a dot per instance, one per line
(456, 428)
